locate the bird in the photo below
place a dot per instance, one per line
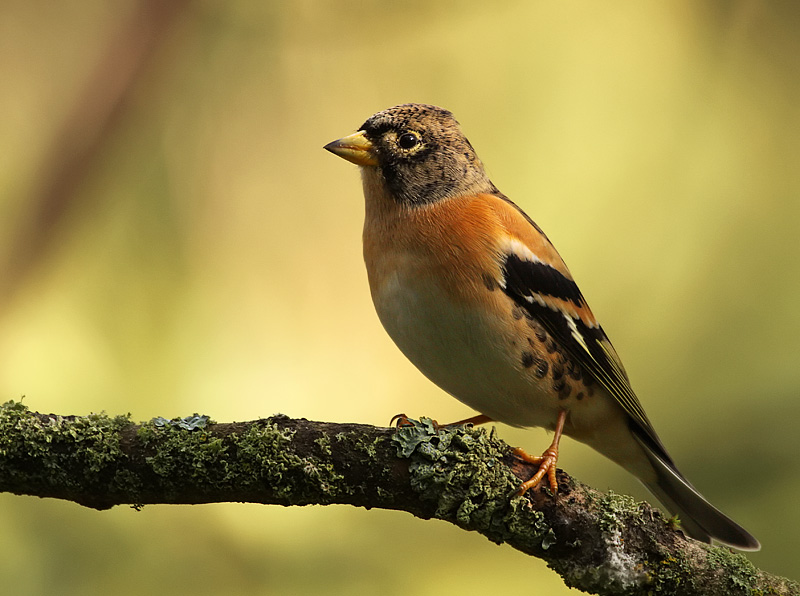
(476, 296)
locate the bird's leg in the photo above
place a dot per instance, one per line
(401, 420)
(474, 420)
(547, 461)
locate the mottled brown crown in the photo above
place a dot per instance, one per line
(441, 164)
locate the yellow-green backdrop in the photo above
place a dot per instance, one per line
(208, 259)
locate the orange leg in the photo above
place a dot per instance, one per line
(547, 461)
(474, 420)
(401, 420)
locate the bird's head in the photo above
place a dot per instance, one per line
(419, 152)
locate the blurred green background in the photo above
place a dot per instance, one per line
(193, 249)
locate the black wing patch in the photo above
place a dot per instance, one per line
(523, 274)
(587, 346)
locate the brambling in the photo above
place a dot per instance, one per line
(475, 295)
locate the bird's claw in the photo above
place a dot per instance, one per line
(547, 466)
(400, 421)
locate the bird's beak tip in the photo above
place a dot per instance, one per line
(355, 148)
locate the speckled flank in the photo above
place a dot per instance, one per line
(541, 368)
(544, 361)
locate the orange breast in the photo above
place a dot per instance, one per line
(454, 241)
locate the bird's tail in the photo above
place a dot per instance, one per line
(699, 518)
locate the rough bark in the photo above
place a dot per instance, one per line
(600, 543)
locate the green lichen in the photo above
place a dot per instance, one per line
(268, 460)
(384, 495)
(368, 453)
(676, 575)
(740, 574)
(259, 460)
(621, 571)
(324, 443)
(458, 469)
(549, 539)
(82, 459)
(358, 443)
(671, 575)
(264, 457)
(58, 451)
(193, 422)
(179, 456)
(613, 510)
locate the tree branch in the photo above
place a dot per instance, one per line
(601, 543)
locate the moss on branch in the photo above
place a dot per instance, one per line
(601, 543)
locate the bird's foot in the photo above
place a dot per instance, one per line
(401, 420)
(547, 466)
(473, 420)
(547, 461)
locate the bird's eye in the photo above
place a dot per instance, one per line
(407, 140)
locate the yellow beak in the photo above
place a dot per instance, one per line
(355, 148)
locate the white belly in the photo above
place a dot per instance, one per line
(463, 351)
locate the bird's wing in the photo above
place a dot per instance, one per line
(536, 278)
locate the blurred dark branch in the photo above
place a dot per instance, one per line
(601, 543)
(88, 127)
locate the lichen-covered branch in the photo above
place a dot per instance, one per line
(601, 543)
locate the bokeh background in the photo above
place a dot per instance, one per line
(173, 239)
